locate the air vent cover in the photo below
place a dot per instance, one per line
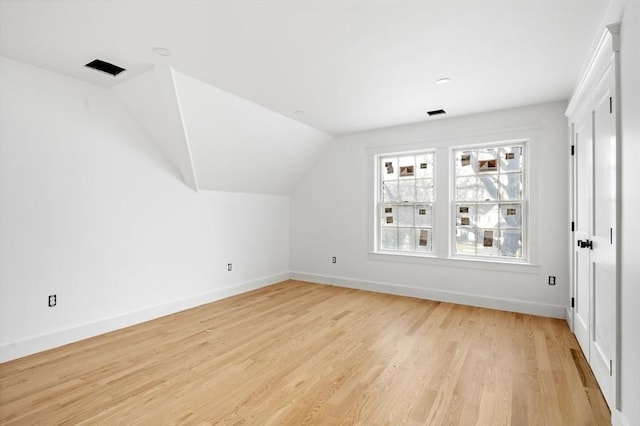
(103, 66)
(436, 112)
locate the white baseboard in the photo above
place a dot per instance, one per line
(62, 337)
(41, 343)
(569, 318)
(618, 419)
(503, 304)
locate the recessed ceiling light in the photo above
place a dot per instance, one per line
(162, 51)
(299, 112)
(443, 80)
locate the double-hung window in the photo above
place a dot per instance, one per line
(489, 201)
(481, 210)
(406, 202)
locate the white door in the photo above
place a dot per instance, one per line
(603, 255)
(581, 257)
(594, 247)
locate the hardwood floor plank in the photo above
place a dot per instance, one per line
(299, 353)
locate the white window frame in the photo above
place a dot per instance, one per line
(443, 225)
(524, 201)
(379, 202)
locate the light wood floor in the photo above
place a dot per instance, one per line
(296, 353)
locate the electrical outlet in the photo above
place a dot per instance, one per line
(552, 280)
(52, 300)
(229, 266)
(333, 259)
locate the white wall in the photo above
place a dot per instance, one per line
(330, 210)
(92, 211)
(630, 256)
(152, 100)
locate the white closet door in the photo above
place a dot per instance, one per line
(594, 248)
(603, 255)
(581, 259)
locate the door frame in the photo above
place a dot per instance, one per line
(606, 54)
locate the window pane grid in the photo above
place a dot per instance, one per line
(489, 201)
(406, 202)
(489, 229)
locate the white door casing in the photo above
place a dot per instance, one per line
(595, 190)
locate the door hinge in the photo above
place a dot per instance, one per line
(611, 367)
(573, 302)
(573, 150)
(573, 226)
(610, 105)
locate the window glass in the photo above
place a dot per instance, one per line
(406, 202)
(489, 201)
(485, 192)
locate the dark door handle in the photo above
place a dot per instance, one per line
(585, 244)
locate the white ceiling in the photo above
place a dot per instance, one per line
(349, 65)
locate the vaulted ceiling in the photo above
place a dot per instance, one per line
(279, 78)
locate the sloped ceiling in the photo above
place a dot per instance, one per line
(334, 67)
(216, 140)
(239, 146)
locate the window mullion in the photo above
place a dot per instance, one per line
(441, 218)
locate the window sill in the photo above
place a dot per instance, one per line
(456, 262)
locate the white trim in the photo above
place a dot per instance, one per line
(593, 71)
(618, 419)
(569, 317)
(614, 29)
(525, 201)
(441, 237)
(503, 304)
(605, 57)
(613, 14)
(572, 219)
(43, 342)
(460, 139)
(483, 263)
(379, 182)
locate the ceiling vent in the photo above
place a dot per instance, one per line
(106, 67)
(436, 112)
